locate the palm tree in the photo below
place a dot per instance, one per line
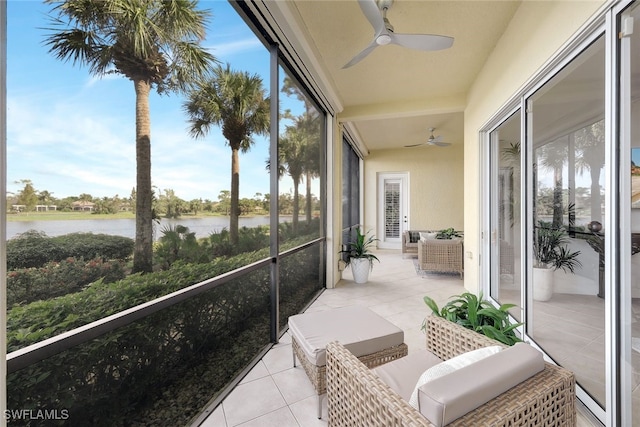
(553, 156)
(153, 43)
(292, 150)
(309, 122)
(237, 102)
(590, 156)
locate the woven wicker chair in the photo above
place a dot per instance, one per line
(410, 240)
(357, 397)
(441, 255)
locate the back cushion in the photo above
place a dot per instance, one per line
(414, 236)
(448, 366)
(453, 395)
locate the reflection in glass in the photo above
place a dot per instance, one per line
(300, 160)
(567, 259)
(505, 214)
(631, 324)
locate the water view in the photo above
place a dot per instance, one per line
(203, 227)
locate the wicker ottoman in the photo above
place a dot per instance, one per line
(370, 338)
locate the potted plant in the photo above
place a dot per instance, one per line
(359, 256)
(551, 253)
(479, 315)
(447, 234)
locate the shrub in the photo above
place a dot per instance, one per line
(32, 249)
(35, 248)
(178, 243)
(26, 285)
(89, 245)
(164, 368)
(249, 240)
(479, 315)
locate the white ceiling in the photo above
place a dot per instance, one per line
(395, 94)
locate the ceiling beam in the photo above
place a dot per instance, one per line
(443, 105)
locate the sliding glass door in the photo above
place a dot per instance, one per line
(628, 318)
(565, 165)
(506, 211)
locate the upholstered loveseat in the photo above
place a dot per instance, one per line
(513, 387)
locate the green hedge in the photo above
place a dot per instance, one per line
(26, 285)
(161, 370)
(103, 381)
(34, 248)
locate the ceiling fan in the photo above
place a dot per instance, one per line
(376, 13)
(432, 140)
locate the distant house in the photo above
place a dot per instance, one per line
(83, 205)
(45, 208)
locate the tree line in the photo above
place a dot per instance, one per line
(165, 203)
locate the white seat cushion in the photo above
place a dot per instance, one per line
(359, 329)
(401, 374)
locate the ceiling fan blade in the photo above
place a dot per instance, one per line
(440, 143)
(372, 13)
(359, 57)
(415, 145)
(428, 42)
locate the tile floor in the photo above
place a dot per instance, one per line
(276, 394)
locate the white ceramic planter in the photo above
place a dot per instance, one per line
(542, 283)
(360, 268)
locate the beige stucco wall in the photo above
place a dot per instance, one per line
(435, 184)
(537, 31)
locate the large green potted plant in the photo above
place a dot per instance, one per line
(359, 256)
(551, 253)
(447, 234)
(479, 315)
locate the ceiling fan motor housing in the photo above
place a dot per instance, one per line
(384, 4)
(376, 13)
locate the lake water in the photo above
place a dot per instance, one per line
(203, 227)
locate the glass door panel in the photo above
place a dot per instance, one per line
(630, 292)
(505, 214)
(566, 315)
(392, 209)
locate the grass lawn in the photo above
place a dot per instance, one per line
(56, 216)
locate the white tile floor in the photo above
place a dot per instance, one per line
(276, 394)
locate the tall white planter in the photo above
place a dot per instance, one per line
(360, 268)
(542, 283)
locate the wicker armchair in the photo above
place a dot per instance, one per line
(410, 240)
(358, 397)
(441, 255)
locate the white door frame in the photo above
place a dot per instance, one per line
(385, 242)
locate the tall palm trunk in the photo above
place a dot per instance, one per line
(143, 249)
(235, 196)
(296, 202)
(308, 206)
(557, 198)
(596, 199)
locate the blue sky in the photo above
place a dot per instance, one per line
(72, 133)
(635, 156)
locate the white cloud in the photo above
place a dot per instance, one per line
(236, 47)
(72, 133)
